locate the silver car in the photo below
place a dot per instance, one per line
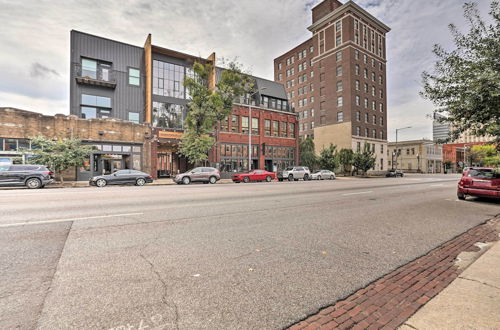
(294, 173)
(198, 174)
(323, 175)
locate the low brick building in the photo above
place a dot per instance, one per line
(119, 144)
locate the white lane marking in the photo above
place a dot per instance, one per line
(357, 193)
(436, 185)
(66, 220)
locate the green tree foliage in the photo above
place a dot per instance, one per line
(328, 159)
(208, 106)
(345, 157)
(363, 160)
(58, 155)
(465, 83)
(485, 155)
(307, 154)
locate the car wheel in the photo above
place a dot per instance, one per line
(101, 183)
(212, 180)
(319, 177)
(290, 177)
(186, 180)
(461, 196)
(306, 177)
(246, 179)
(268, 178)
(332, 177)
(140, 182)
(33, 183)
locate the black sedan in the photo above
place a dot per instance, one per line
(122, 177)
(394, 173)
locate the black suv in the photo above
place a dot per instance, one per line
(31, 176)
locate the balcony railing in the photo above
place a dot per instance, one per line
(101, 76)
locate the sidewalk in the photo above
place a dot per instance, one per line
(472, 301)
(395, 300)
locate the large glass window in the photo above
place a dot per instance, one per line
(134, 76)
(10, 144)
(93, 106)
(283, 129)
(168, 79)
(167, 115)
(275, 127)
(291, 130)
(88, 112)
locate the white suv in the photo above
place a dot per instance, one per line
(295, 173)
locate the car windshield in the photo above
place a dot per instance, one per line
(288, 168)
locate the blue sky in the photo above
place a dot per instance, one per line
(34, 52)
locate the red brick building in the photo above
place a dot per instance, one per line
(336, 80)
(458, 154)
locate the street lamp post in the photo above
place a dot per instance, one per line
(250, 127)
(397, 154)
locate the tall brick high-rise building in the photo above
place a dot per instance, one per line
(336, 80)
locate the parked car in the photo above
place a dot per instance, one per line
(480, 182)
(394, 173)
(294, 173)
(31, 176)
(323, 175)
(255, 175)
(122, 177)
(198, 174)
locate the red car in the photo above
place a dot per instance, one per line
(480, 182)
(255, 175)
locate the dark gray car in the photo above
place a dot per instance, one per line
(31, 176)
(198, 174)
(122, 177)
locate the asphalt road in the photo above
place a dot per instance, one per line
(226, 256)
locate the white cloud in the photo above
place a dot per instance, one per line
(255, 31)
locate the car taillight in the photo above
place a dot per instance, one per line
(48, 173)
(149, 177)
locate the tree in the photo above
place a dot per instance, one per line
(328, 159)
(485, 155)
(465, 84)
(209, 106)
(307, 154)
(364, 160)
(58, 154)
(345, 157)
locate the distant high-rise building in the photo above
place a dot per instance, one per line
(440, 131)
(336, 80)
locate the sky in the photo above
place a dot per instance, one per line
(34, 44)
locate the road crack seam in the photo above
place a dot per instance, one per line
(172, 305)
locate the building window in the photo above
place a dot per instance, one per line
(374, 120)
(283, 132)
(365, 58)
(373, 76)
(168, 115)
(235, 124)
(255, 126)
(366, 88)
(339, 86)
(224, 125)
(133, 117)
(381, 107)
(358, 145)
(275, 128)
(338, 41)
(279, 66)
(380, 80)
(339, 71)
(340, 101)
(366, 103)
(244, 125)
(358, 100)
(134, 76)
(358, 116)
(358, 133)
(381, 135)
(381, 121)
(381, 148)
(366, 118)
(338, 56)
(357, 85)
(93, 106)
(366, 73)
(89, 68)
(280, 77)
(291, 130)
(373, 90)
(338, 26)
(357, 69)
(374, 134)
(168, 79)
(366, 132)
(374, 105)
(340, 116)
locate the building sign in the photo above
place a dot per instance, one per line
(169, 135)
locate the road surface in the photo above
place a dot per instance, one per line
(224, 256)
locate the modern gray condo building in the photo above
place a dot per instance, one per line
(111, 79)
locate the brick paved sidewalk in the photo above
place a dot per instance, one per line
(391, 300)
